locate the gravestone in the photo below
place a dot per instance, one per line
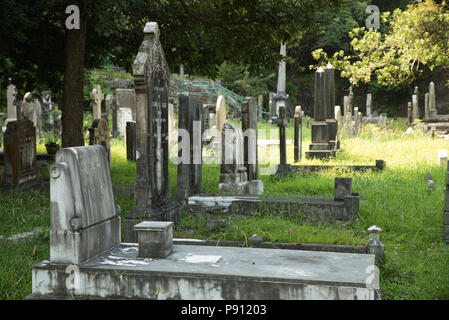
(84, 219)
(249, 128)
(360, 122)
(152, 188)
(48, 121)
(260, 106)
(281, 96)
(220, 113)
(356, 120)
(32, 110)
(233, 175)
(97, 98)
(329, 105)
(20, 153)
(126, 98)
(172, 136)
(298, 134)
(282, 123)
(11, 93)
(432, 102)
(270, 105)
(426, 105)
(321, 147)
(415, 107)
(124, 115)
(100, 134)
(189, 150)
(409, 113)
(369, 104)
(131, 141)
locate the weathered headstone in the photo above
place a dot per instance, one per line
(20, 153)
(249, 128)
(32, 110)
(298, 134)
(356, 120)
(97, 98)
(233, 175)
(426, 105)
(11, 93)
(360, 122)
(152, 187)
(281, 95)
(260, 106)
(190, 151)
(100, 134)
(432, 102)
(126, 98)
(84, 218)
(409, 113)
(282, 123)
(329, 105)
(124, 115)
(221, 113)
(131, 141)
(415, 107)
(369, 104)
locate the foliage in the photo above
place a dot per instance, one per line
(240, 80)
(410, 43)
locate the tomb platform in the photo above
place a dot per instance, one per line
(211, 273)
(311, 209)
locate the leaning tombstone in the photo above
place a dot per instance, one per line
(100, 134)
(20, 154)
(152, 188)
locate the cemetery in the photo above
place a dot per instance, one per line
(144, 182)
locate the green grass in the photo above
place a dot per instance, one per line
(396, 199)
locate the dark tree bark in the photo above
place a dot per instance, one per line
(72, 98)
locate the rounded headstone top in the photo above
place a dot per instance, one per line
(320, 69)
(329, 66)
(374, 229)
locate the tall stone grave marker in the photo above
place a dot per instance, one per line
(426, 105)
(432, 102)
(97, 98)
(415, 110)
(126, 98)
(369, 104)
(329, 105)
(220, 113)
(32, 110)
(100, 134)
(249, 128)
(84, 218)
(281, 95)
(189, 150)
(131, 141)
(20, 153)
(152, 187)
(298, 134)
(11, 93)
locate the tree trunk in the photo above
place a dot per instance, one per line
(72, 98)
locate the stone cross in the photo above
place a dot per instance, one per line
(97, 97)
(152, 187)
(298, 134)
(189, 180)
(11, 93)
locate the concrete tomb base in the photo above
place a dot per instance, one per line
(212, 273)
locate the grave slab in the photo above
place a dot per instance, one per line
(213, 273)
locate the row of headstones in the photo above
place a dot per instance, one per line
(20, 157)
(430, 108)
(31, 108)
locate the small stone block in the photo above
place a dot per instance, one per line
(149, 233)
(343, 188)
(255, 187)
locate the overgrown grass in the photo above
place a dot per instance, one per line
(396, 199)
